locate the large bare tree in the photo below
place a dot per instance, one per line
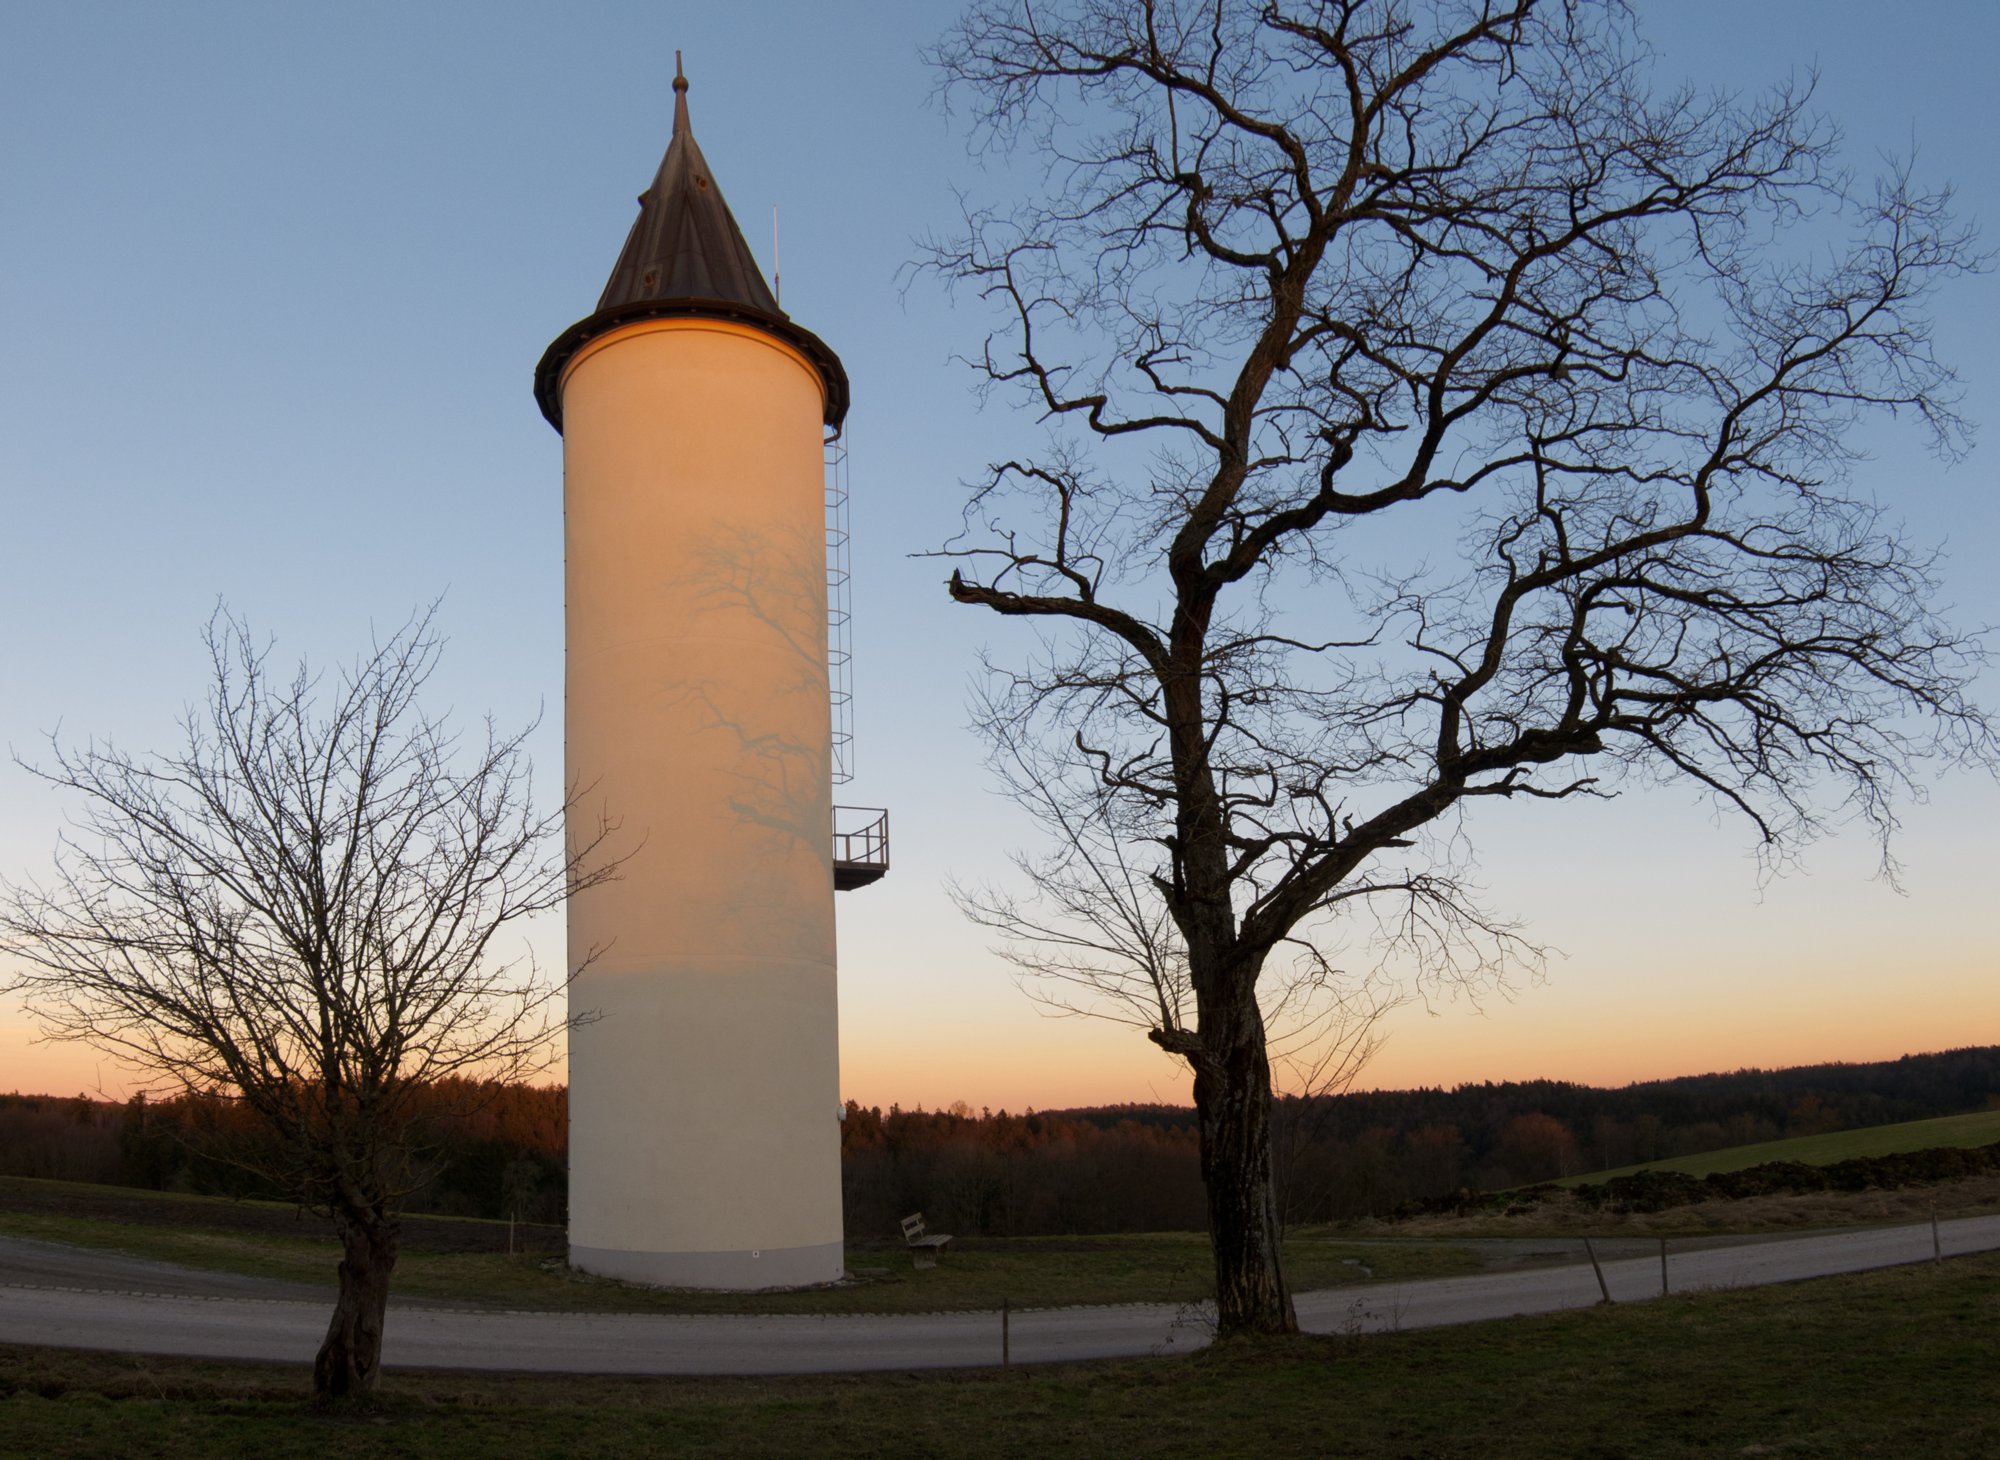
(1433, 411)
(305, 908)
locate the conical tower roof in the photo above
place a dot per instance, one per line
(686, 256)
(685, 243)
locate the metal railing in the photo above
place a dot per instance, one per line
(860, 846)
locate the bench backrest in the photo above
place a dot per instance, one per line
(913, 1226)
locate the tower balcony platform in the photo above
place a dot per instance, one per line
(860, 846)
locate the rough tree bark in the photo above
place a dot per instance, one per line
(1232, 1097)
(350, 1356)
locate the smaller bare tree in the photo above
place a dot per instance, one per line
(301, 909)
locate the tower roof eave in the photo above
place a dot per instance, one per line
(548, 373)
(686, 256)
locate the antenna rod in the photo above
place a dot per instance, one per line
(777, 271)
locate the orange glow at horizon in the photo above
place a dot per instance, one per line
(1032, 1062)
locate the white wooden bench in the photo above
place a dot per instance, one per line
(924, 1247)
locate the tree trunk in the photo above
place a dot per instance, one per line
(1232, 1097)
(350, 1358)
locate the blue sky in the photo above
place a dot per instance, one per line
(273, 282)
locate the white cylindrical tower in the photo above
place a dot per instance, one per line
(704, 1084)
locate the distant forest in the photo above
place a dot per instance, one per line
(492, 1151)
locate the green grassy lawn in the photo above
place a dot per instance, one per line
(27, 1193)
(1171, 1267)
(288, 1259)
(1896, 1363)
(1980, 1128)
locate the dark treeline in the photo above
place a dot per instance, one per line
(1001, 1175)
(1353, 1155)
(481, 1149)
(1369, 1152)
(493, 1151)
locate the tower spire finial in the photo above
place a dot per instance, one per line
(681, 123)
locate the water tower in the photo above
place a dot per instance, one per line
(703, 527)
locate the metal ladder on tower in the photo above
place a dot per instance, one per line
(860, 833)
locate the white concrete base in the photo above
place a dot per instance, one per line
(772, 1267)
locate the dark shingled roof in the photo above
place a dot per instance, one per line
(685, 243)
(686, 256)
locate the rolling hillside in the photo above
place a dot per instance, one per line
(1979, 1128)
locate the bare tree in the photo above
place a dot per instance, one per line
(1094, 938)
(301, 909)
(1433, 411)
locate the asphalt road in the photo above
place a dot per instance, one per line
(145, 1319)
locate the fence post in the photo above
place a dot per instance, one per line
(1006, 1336)
(1937, 1246)
(1591, 1252)
(1663, 1267)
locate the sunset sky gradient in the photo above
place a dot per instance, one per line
(273, 282)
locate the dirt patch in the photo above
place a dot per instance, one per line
(143, 1208)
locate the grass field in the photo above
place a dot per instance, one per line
(1896, 1363)
(1169, 1267)
(1980, 1128)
